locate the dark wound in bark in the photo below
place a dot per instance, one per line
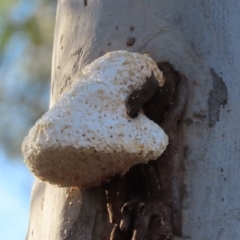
(139, 98)
(146, 202)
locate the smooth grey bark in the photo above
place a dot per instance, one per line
(201, 39)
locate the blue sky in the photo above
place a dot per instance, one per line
(15, 179)
(15, 189)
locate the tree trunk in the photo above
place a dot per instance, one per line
(201, 40)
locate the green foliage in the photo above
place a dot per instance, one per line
(26, 37)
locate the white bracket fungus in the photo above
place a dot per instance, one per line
(87, 136)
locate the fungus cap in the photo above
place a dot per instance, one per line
(87, 136)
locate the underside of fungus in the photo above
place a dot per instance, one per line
(87, 136)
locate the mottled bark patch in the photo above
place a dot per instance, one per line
(218, 96)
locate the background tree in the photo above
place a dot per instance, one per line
(201, 40)
(26, 35)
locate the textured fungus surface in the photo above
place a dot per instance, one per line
(88, 136)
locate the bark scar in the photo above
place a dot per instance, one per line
(146, 202)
